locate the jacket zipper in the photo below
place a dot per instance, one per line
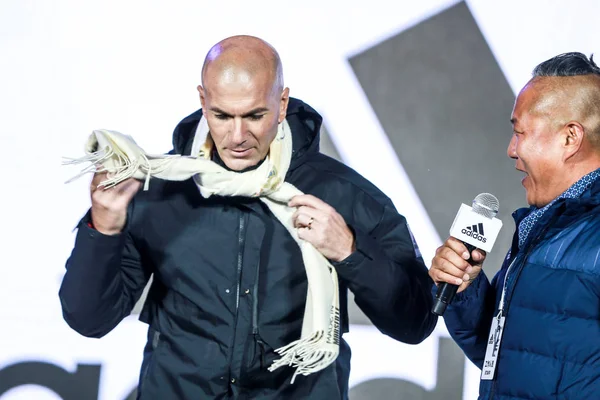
(241, 240)
(240, 259)
(255, 334)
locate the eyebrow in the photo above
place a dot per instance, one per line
(248, 114)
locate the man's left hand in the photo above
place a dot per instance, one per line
(322, 226)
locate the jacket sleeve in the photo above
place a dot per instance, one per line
(389, 280)
(103, 281)
(469, 317)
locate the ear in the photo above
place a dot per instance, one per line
(202, 99)
(283, 104)
(573, 137)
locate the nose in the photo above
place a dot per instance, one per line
(239, 130)
(511, 151)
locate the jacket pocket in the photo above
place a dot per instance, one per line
(265, 341)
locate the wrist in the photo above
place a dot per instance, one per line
(105, 230)
(347, 253)
(111, 228)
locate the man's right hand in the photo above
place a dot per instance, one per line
(109, 206)
(450, 265)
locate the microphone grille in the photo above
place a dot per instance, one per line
(486, 204)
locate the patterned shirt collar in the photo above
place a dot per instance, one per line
(575, 191)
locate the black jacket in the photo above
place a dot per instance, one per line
(229, 283)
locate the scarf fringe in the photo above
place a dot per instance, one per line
(306, 355)
(95, 159)
(125, 168)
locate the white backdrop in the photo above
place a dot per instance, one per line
(67, 67)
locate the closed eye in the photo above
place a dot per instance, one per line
(222, 117)
(255, 117)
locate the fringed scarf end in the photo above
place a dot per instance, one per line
(307, 355)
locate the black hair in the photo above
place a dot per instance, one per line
(567, 64)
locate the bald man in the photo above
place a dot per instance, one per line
(230, 285)
(535, 330)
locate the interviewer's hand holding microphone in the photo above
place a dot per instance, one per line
(451, 264)
(459, 260)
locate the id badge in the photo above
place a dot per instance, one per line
(493, 347)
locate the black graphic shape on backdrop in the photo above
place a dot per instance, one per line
(84, 383)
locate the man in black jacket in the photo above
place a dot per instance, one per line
(229, 282)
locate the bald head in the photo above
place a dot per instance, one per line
(241, 59)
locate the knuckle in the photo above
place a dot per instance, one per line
(433, 275)
(442, 277)
(446, 251)
(442, 264)
(449, 267)
(446, 265)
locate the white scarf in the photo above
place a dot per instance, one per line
(120, 156)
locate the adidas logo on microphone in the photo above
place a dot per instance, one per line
(475, 231)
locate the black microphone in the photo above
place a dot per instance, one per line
(477, 228)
